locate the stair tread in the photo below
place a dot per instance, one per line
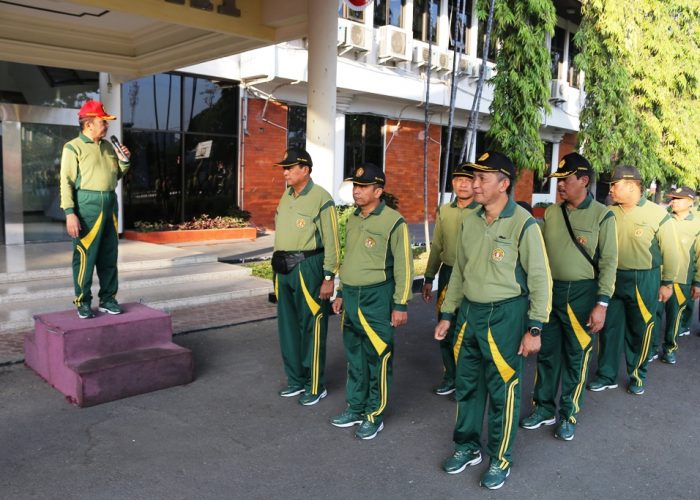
(63, 286)
(19, 315)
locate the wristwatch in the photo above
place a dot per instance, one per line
(535, 331)
(328, 278)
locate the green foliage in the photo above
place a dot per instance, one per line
(261, 269)
(642, 65)
(522, 79)
(201, 222)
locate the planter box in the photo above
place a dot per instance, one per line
(238, 233)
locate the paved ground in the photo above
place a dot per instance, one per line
(228, 435)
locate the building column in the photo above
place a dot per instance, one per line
(111, 98)
(321, 111)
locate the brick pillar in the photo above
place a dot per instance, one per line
(567, 145)
(403, 166)
(265, 144)
(522, 191)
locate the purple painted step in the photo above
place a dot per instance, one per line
(108, 357)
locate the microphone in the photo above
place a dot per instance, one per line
(117, 146)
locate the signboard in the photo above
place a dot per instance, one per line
(203, 150)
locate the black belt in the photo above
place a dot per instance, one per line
(305, 253)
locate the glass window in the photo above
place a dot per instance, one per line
(388, 12)
(152, 102)
(209, 107)
(47, 86)
(152, 190)
(364, 142)
(420, 19)
(542, 184)
(456, 17)
(347, 13)
(183, 135)
(573, 76)
(296, 127)
(210, 173)
(557, 52)
(493, 43)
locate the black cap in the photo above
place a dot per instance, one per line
(492, 161)
(625, 173)
(295, 157)
(573, 164)
(366, 174)
(464, 170)
(682, 192)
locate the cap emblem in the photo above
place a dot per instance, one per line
(483, 157)
(359, 172)
(562, 163)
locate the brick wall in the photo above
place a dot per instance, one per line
(403, 167)
(567, 145)
(523, 186)
(265, 144)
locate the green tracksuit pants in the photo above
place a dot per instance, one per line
(487, 344)
(629, 322)
(302, 324)
(566, 349)
(96, 245)
(446, 344)
(687, 316)
(369, 346)
(675, 307)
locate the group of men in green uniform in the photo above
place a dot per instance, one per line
(508, 288)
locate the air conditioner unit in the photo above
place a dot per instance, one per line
(489, 72)
(560, 91)
(394, 44)
(359, 38)
(444, 61)
(463, 65)
(420, 57)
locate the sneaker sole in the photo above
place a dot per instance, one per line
(105, 310)
(473, 461)
(602, 388)
(550, 421)
(664, 360)
(557, 436)
(636, 393)
(498, 486)
(684, 333)
(86, 316)
(292, 394)
(314, 401)
(365, 438)
(444, 393)
(347, 424)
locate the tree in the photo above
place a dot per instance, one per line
(521, 84)
(642, 66)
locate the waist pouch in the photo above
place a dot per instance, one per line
(285, 262)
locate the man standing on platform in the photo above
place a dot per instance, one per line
(688, 229)
(501, 290)
(581, 241)
(305, 261)
(442, 257)
(646, 241)
(376, 281)
(90, 170)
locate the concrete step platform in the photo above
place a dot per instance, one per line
(108, 357)
(51, 287)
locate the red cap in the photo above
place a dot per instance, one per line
(94, 109)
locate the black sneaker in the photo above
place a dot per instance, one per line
(84, 311)
(445, 388)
